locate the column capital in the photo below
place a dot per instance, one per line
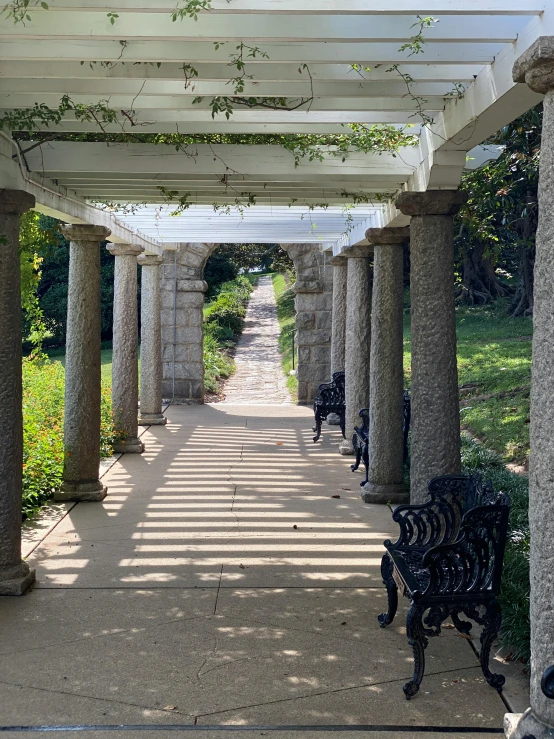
(149, 260)
(125, 250)
(431, 202)
(338, 261)
(15, 202)
(536, 66)
(388, 236)
(85, 232)
(360, 251)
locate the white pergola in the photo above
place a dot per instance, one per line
(136, 64)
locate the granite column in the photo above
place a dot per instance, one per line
(15, 575)
(386, 378)
(435, 435)
(357, 338)
(536, 68)
(338, 325)
(150, 342)
(82, 366)
(125, 348)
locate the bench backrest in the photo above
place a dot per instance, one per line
(332, 393)
(473, 564)
(438, 521)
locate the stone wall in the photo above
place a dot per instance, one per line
(182, 289)
(314, 303)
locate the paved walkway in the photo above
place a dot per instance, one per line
(230, 577)
(259, 378)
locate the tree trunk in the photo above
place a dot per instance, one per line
(480, 284)
(522, 304)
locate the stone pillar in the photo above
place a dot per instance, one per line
(536, 68)
(150, 343)
(358, 338)
(183, 291)
(15, 575)
(125, 348)
(435, 439)
(386, 378)
(313, 303)
(338, 327)
(82, 366)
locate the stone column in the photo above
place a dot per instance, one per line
(82, 366)
(435, 439)
(183, 291)
(386, 378)
(313, 303)
(15, 575)
(358, 338)
(338, 322)
(125, 348)
(536, 68)
(150, 343)
(338, 326)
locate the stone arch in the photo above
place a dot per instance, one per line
(313, 303)
(183, 288)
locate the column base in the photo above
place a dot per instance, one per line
(374, 493)
(526, 725)
(333, 419)
(81, 491)
(152, 419)
(346, 448)
(16, 580)
(132, 445)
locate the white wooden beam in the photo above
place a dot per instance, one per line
(147, 103)
(218, 160)
(322, 7)
(214, 72)
(139, 90)
(203, 52)
(259, 29)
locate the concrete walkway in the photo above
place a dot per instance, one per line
(259, 378)
(230, 577)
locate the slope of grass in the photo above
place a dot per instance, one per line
(286, 315)
(494, 365)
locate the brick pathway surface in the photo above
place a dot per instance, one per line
(259, 378)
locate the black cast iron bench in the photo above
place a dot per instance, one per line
(330, 400)
(448, 561)
(360, 437)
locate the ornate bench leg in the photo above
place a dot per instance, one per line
(317, 427)
(392, 592)
(491, 622)
(365, 457)
(357, 451)
(418, 641)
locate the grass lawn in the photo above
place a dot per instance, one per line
(58, 355)
(286, 315)
(494, 365)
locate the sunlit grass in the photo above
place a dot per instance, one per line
(286, 315)
(494, 359)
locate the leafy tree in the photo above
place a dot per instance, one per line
(496, 229)
(52, 291)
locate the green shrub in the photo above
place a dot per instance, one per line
(43, 412)
(286, 314)
(43, 399)
(514, 596)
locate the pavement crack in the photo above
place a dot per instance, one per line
(94, 698)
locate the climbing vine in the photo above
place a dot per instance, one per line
(382, 138)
